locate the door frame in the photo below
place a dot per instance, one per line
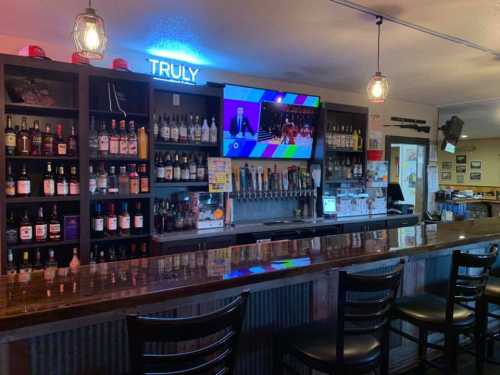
(390, 139)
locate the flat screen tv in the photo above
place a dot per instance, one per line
(268, 124)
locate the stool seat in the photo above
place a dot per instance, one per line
(316, 342)
(431, 309)
(492, 291)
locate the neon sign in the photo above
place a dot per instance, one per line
(173, 72)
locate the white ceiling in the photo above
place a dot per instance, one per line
(307, 41)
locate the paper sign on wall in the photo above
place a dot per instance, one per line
(219, 175)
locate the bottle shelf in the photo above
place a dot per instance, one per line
(119, 238)
(34, 245)
(56, 198)
(30, 157)
(181, 184)
(185, 145)
(40, 110)
(344, 150)
(103, 113)
(103, 197)
(345, 181)
(119, 158)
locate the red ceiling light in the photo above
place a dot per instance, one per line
(89, 35)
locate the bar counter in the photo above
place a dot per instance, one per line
(44, 296)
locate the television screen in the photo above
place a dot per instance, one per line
(268, 124)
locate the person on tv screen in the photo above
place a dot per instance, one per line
(240, 124)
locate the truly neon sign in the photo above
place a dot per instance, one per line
(173, 72)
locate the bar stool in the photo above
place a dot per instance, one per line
(359, 341)
(492, 296)
(216, 357)
(450, 316)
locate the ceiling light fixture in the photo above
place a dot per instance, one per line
(464, 136)
(89, 35)
(378, 86)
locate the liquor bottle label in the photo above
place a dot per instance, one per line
(61, 149)
(74, 188)
(102, 182)
(124, 222)
(134, 186)
(144, 185)
(112, 224)
(40, 232)
(10, 188)
(177, 173)
(123, 147)
(169, 173)
(138, 221)
(113, 189)
(114, 146)
(92, 185)
(200, 174)
(174, 134)
(160, 172)
(25, 142)
(11, 236)
(165, 133)
(54, 229)
(49, 187)
(24, 187)
(62, 188)
(183, 133)
(103, 143)
(10, 140)
(26, 232)
(132, 147)
(98, 224)
(185, 174)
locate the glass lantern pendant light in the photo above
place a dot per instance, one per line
(88, 34)
(378, 86)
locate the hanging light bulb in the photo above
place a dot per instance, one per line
(89, 35)
(378, 86)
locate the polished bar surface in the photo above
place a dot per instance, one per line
(47, 297)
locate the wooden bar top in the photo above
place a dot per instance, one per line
(44, 297)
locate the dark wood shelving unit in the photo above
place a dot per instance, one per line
(120, 238)
(40, 110)
(34, 245)
(104, 197)
(118, 115)
(181, 184)
(185, 145)
(118, 159)
(345, 151)
(21, 157)
(56, 198)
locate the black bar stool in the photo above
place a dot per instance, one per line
(492, 296)
(359, 341)
(450, 316)
(217, 357)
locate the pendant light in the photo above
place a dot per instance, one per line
(378, 86)
(89, 35)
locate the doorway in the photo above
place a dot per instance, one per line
(407, 159)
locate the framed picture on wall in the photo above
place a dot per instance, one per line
(475, 164)
(475, 176)
(446, 175)
(461, 159)
(460, 178)
(446, 164)
(461, 169)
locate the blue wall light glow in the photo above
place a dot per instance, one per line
(174, 49)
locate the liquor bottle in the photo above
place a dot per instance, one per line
(142, 139)
(123, 143)
(51, 265)
(49, 182)
(197, 130)
(133, 177)
(132, 139)
(11, 266)
(103, 141)
(10, 138)
(174, 130)
(74, 183)
(124, 220)
(102, 180)
(113, 187)
(111, 220)
(11, 232)
(62, 187)
(60, 144)
(184, 168)
(93, 139)
(10, 183)
(355, 141)
(23, 139)
(114, 140)
(133, 250)
(192, 168)
(92, 180)
(54, 225)
(123, 180)
(169, 168)
(122, 252)
(213, 132)
(102, 257)
(112, 254)
(360, 141)
(191, 130)
(38, 266)
(177, 168)
(165, 129)
(144, 249)
(74, 264)
(183, 132)
(156, 126)
(23, 183)
(143, 179)
(205, 132)
(25, 266)
(25, 228)
(92, 259)
(160, 168)
(73, 142)
(36, 139)
(138, 219)
(48, 141)
(201, 170)
(98, 222)
(41, 230)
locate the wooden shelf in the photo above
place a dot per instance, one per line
(54, 157)
(351, 181)
(120, 238)
(103, 113)
(344, 150)
(28, 200)
(40, 110)
(181, 184)
(34, 245)
(103, 197)
(185, 145)
(120, 158)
